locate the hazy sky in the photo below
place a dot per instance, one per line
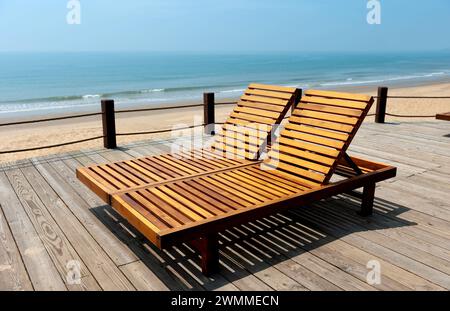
(224, 25)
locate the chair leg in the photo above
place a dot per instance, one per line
(209, 251)
(367, 200)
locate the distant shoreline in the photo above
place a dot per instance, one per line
(39, 114)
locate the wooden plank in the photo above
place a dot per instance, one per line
(188, 201)
(303, 154)
(158, 217)
(330, 109)
(13, 275)
(142, 277)
(300, 162)
(214, 193)
(91, 255)
(124, 206)
(177, 215)
(54, 240)
(251, 118)
(272, 87)
(234, 136)
(262, 106)
(255, 137)
(340, 95)
(322, 124)
(334, 102)
(281, 242)
(325, 116)
(116, 250)
(361, 240)
(273, 94)
(313, 139)
(41, 270)
(260, 183)
(234, 153)
(266, 100)
(270, 176)
(248, 187)
(316, 178)
(205, 201)
(326, 151)
(258, 112)
(317, 131)
(96, 183)
(232, 188)
(250, 256)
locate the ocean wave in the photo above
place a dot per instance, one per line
(152, 90)
(29, 108)
(232, 91)
(91, 96)
(350, 81)
(434, 74)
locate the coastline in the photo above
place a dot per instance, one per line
(48, 133)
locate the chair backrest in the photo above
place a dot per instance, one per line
(317, 134)
(248, 128)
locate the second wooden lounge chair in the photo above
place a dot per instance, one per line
(310, 149)
(240, 142)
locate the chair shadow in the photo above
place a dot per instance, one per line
(258, 245)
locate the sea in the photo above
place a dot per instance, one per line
(42, 84)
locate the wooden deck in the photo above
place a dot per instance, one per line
(49, 222)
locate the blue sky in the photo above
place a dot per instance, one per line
(224, 25)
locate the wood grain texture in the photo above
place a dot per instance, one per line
(41, 269)
(13, 275)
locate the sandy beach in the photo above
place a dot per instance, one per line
(48, 133)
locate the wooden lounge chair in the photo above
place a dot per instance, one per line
(240, 142)
(443, 116)
(310, 149)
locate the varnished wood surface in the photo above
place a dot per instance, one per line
(243, 138)
(247, 130)
(48, 217)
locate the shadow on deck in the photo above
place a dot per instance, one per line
(246, 250)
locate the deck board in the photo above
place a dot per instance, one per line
(47, 218)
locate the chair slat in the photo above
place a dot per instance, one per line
(339, 95)
(334, 102)
(257, 112)
(330, 109)
(268, 87)
(266, 100)
(262, 106)
(273, 94)
(325, 116)
(317, 131)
